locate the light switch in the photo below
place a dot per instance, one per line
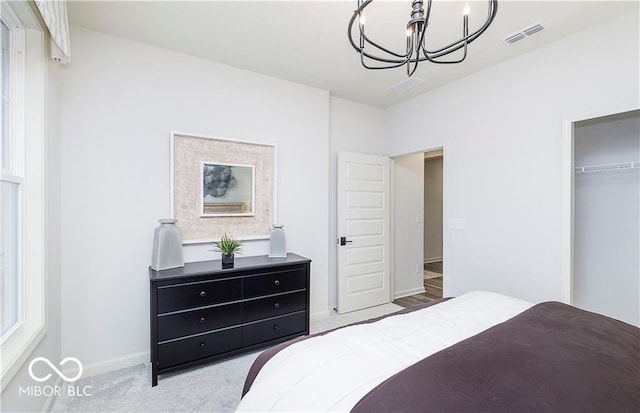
(418, 218)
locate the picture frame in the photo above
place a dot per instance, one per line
(227, 189)
(246, 211)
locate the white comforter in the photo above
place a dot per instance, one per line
(334, 371)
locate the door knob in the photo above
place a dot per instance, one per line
(344, 241)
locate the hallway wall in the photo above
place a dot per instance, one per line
(433, 208)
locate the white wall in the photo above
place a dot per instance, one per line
(502, 130)
(607, 219)
(119, 102)
(354, 128)
(408, 232)
(433, 205)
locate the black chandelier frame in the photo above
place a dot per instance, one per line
(416, 50)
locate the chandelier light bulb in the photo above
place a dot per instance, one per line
(363, 19)
(465, 10)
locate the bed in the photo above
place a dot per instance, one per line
(480, 352)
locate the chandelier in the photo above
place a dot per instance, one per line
(416, 50)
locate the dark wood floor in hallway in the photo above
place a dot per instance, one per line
(435, 266)
(432, 286)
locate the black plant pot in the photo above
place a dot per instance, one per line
(227, 261)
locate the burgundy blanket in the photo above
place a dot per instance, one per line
(550, 358)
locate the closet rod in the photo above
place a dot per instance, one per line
(606, 167)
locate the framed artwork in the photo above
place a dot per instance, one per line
(227, 190)
(222, 186)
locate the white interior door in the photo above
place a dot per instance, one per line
(363, 231)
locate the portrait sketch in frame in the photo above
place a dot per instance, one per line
(227, 189)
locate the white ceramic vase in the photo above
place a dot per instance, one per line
(167, 246)
(277, 246)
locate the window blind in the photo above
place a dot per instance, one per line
(54, 14)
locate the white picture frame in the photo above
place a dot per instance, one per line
(189, 153)
(227, 189)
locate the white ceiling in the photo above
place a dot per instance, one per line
(306, 41)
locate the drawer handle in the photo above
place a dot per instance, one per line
(275, 327)
(202, 320)
(202, 345)
(277, 282)
(203, 293)
(276, 305)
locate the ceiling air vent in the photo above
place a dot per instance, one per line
(533, 29)
(514, 38)
(405, 84)
(524, 33)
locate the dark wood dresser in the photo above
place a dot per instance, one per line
(201, 313)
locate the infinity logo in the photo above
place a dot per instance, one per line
(54, 368)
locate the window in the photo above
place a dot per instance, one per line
(9, 256)
(22, 252)
(11, 177)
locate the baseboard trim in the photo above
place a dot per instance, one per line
(114, 364)
(319, 315)
(433, 259)
(406, 293)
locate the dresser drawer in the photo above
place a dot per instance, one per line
(189, 322)
(194, 348)
(199, 294)
(273, 328)
(273, 306)
(274, 282)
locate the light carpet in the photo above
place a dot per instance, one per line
(216, 387)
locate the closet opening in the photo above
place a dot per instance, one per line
(606, 215)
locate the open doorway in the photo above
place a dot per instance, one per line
(433, 226)
(417, 229)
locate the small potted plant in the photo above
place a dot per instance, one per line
(228, 247)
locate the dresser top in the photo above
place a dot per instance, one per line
(215, 266)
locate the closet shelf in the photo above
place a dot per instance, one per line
(606, 167)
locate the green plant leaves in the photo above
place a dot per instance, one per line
(227, 245)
